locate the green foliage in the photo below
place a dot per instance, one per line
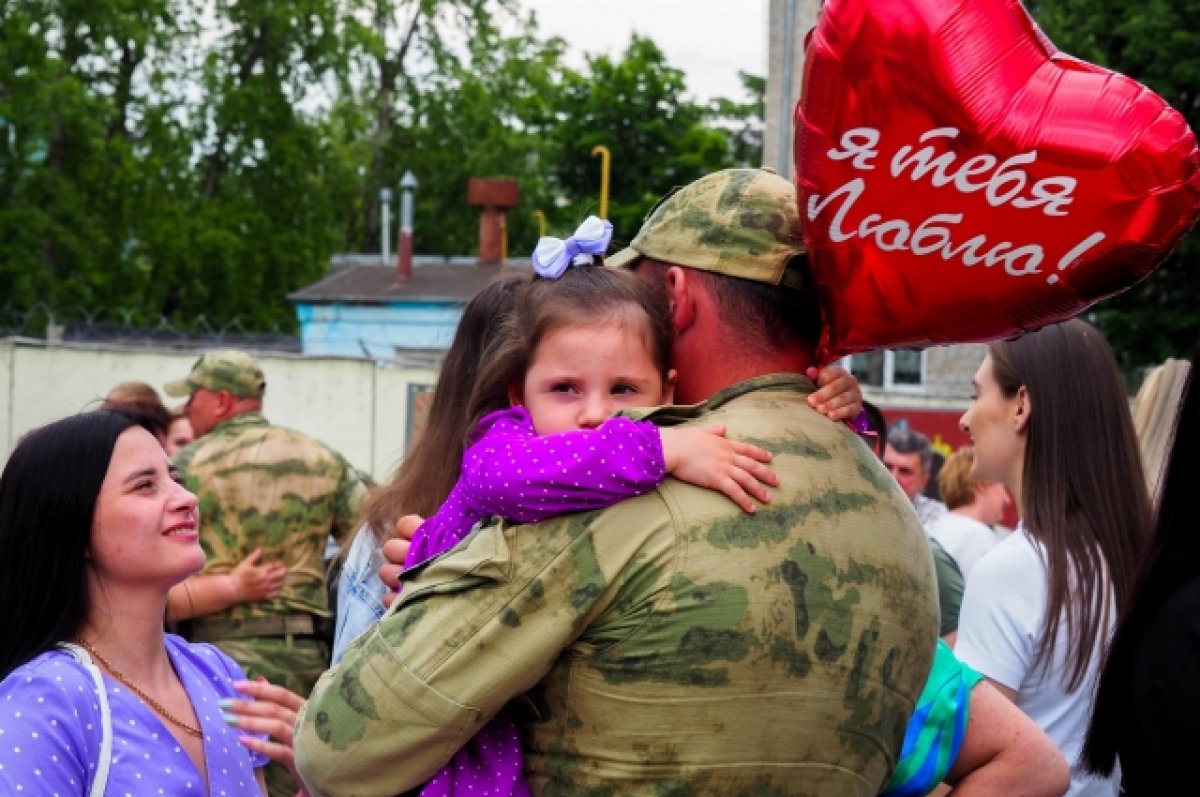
(1156, 42)
(636, 107)
(187, 160)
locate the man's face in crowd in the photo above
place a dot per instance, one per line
(907, 470)
(202, 411)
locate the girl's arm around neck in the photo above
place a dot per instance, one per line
(513, 473)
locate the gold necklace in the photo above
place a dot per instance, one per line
(151, 702)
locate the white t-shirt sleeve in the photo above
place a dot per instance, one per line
(973, 547)
(1000, 622)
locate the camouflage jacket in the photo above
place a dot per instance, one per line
(266, 486)
(669, 644)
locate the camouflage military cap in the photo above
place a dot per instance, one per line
(231, 370)
(739, 222)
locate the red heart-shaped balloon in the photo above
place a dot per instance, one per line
(962, 180)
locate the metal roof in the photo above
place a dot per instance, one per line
(360, 283)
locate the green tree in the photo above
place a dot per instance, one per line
(658, 137)
(1158, 43)
(193, 160)
(477, 113)
(408, 48)
(68, 98)
(261, 213)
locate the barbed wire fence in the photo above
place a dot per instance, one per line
(133, 328)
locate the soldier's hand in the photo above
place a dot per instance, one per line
(838, 396)
(395, 551)
(257, 582)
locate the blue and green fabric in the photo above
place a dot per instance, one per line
(935, 732)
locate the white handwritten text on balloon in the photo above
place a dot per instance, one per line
(1002, 183)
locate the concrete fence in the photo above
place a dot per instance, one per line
(364, 409)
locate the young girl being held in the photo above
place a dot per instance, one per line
(583, 343)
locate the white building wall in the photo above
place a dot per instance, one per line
(788, 22)
(356, 406)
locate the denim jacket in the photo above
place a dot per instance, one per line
(360, 591)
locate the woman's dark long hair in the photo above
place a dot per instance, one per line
(1083, 493)
(47, 502)
(1172, 561)
(430, 469)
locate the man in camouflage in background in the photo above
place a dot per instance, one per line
(264, 486)
(670, 644)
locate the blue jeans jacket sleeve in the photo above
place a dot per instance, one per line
(360, 592)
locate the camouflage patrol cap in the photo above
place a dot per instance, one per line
(231, 370)
(739, 222)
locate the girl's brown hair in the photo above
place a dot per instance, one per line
(582, 295)
(1084, 497)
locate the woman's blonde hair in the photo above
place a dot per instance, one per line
(1154, 416)
(954, 479)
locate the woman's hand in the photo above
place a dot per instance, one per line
(271, 711)
(395, 551)
(838, 396)
(254, 582)
(703, 456)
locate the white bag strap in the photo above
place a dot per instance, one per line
(100, 782)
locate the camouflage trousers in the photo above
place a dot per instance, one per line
(293, 662)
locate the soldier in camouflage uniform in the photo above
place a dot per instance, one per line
(264, 486)
(670, 644)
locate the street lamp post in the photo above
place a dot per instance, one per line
(385, 230)
(605, 166)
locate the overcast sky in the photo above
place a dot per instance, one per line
(710, 40)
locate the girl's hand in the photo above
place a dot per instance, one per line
(838, 396)
(254, 582)
(271, 710)
(701, 455)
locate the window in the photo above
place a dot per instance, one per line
(901, 370)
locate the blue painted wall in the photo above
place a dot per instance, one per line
(377, 330)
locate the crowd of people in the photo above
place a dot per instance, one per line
(644, 546)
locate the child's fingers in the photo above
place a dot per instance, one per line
(761, 475)
(831, 396)
(751, 451)
(753, 478)
(730, 487)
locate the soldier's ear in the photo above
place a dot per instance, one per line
(225, 402)
(680, 299)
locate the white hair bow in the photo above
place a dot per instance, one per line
(553, 255)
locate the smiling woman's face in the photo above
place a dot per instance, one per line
(145, 528)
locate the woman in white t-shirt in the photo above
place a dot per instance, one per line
(1050, 420)
(975, 507)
